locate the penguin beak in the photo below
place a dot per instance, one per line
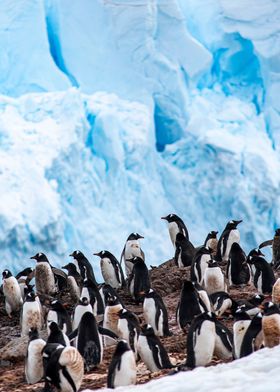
(71, 255)
(238, 221)
(64, 267)
(33, 257)
(163, 217)
(140, 236)
(261, 253)
(97, 254)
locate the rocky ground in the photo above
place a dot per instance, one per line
(166, 280)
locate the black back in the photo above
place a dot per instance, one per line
(88, 341)
(255, 327)
(188, 306)
(180, 223)
(160, 308)
(159, 352)
(231, 225)
(56, 335)
(196, 262)
(265, 272)
(122, 347)
(84, 265)
(237, 265)
(225, 335)
(185, 249)
(140, 275)
(132, 325)
(94, 295)
(63, 317)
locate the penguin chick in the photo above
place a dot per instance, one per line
(271, 325)
(12, 293)
(214, 278)
(184, 251)
(175, 226)
(31, 315)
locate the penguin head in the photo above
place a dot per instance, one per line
(212, 263)
(70, 267)
(40, 257)
(171, 218)
(103, 254)
(235, 247)
(28, 289)
(277, 232)
(6, 274)
(33, 333)
(213, 234)
(83, 301)
(150, 293)
(257, 299)
(54, 328)
(121, 348)
(27, 272)
(77, 255)
(188, 286)
(270, 308)
(122, 313)
(134, 236)
(147, 330)
(111, 299)
(30, 296)
(241, 314)
(233, 224)
(57, 305)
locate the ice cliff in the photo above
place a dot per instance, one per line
(115, 112)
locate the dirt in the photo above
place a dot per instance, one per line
(167, 281)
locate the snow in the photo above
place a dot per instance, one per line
(262, 373)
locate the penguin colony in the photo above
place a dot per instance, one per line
(99, 317)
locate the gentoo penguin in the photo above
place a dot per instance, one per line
(152, 351)
(56, 335)
(122, 369)
(241, 323)
(139, 281)
(107, 291)
(204, 299)
(184, 251)
(89, 340)
(83, 266)
(271, 325)
(23, 278)
(111, 316)
(214, 278)
(251, 306)
(81, 308)
(276, 292)
(47, 352)
(60, 278)
(264, 278)
(228, 237)
(223, 341)
(175, 226)
(221, 302)
(253, 337)
(275, 242)
(31, 314)
(91, 292)
(199, 264)
(12, 293)
(44, 277)
(129, 328)
(189, 305)
(211, 242)
(111, 269)
(132, 249)
(59, 315)
(238, 271)
(201, 340)
(65, 369)
(33, 366)
(155, 313)
(73, 281)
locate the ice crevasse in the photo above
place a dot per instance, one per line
(116, 112)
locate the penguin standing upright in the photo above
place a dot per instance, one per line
(73, 281)
(175, 226)
(199, 264)
(23, 278)
(44, 276)
(276, 292)
(111, 316)
(129, 328)
(91, 292)
(33, 365)
(214, 278)
(31, 315)
(204, 299)
(139, 281)
(152, 351)
(253, 337)
(83, 266)
(221, 302)
(211, 242)
(12, 293)
(155, 313)
(81, 308)
(228, 237)
(241, 323)
(65, 369)
(275, 242)
(184, 251)
(271, 325)
(111, 269)
(223, 341)
(264, 278)
(122, 369)
(132, 249)
(59, 315)
(201, 340)
(238, 271)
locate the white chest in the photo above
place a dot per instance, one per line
(239, 330)
(173, 231)
(80, 310)
(126, 375)
(146, 354)
(205, 343)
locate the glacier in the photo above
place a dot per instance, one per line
(116, 112)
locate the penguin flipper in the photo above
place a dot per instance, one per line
(122, 255)
(107, 332)
(73, 335)
(265, 243)
(142, 254)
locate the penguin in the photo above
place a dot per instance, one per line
(223, 342)
(107, 291)
(44, 276)
(129, 328)
(184, 251)
(175, 226)
(152, 351)
(204, 299)
(155, 313)
(228, 237)
(132, 249)
(81, 308)
(60, 278)
(253, 337)
(271, 325)
(211, 242)
(222, 302)
(56, 335)
(201, 340)
(59, 315)
(275, 242)
(12, 293)
(276, 292)
(252, 306)
(65, 369)
(111, 316)
(189, 305)
(33, 365)
(24, 277)
(122, 368)
(214, 278)
(111, 269)
(47, 352)
(139, 281)
(91, 292)
(89, 340)
(73, 281)
(241, 323)
(83, 266)
(31, 314)
(199, 264)
(238, 272)
(264, 278)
